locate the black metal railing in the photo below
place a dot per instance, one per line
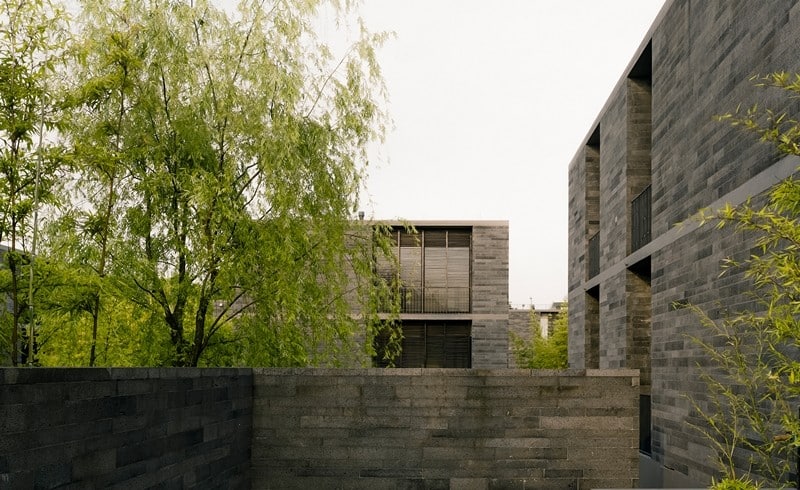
(641, 220)
(594, 255)
(435, 300)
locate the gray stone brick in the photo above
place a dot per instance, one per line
(459, 426)
(661, 133)
(94, 428)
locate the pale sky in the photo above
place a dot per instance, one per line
(490, 102)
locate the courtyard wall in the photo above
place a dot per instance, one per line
(445, 428)
(125, 428)
(324, 428)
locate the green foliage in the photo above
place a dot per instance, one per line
(776, 128)
(734, 484)
(31, 45)
(540, 352)
(216, 160)
(754, 379)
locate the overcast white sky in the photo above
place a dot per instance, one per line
(490, 101)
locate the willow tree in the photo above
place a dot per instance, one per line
(31, 44)
(225, 153)
(104, 70)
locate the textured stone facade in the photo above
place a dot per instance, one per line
(324, 428)
(445, 428)
(125, 428)
(490, 295)
(657, 129)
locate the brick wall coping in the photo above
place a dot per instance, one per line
(10, 375)
(590, 373)
(28, 375)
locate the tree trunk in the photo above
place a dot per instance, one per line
(15, 310)
(95, 320)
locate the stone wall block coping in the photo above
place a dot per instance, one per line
(27, 376)
(599, 373)
(443, 372)
(129, 374)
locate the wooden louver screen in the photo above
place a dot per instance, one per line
(434, 270)
(436, 345)
(447, 266)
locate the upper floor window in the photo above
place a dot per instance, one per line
(434, 270)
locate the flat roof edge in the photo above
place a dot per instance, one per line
(623, 76)
(442, 223)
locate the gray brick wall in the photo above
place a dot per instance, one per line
(578, 230)
(490, 297)
(125, 428)
(301, 428)
(704, 53)
(490, 270)
(613, 323)
(439, 428)
(613, 185)
(638, 302)
(490, 343)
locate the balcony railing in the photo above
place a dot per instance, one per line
(435, 300)
(640, 220)
(594, 255)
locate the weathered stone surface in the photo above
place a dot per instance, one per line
(327, 428)
(657, 128)
(137, 428)
(445, 428)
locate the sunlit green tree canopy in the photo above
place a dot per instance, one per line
(213, 162)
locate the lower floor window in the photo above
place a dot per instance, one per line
(440, 344)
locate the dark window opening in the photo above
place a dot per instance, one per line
(431, 345)
(592, 329)
(645, 425)
(643, 68)
(640, 220)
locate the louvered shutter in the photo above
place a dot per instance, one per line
(385, 265)
(458, 346)
(435, 271)
(413, 354)
(435, 343)
(457, 279)
(411, 272)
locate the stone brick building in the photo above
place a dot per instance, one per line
(654, 157)
(454, 304)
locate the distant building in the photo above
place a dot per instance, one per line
(454, 299)
(521, 321)
(653, 158)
